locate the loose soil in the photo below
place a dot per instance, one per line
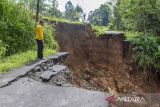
(102, 63)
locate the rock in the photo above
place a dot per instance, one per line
(125, 91)
(37, 68)
(67, 71)
(120, 85)
(45, 67)
(47, 75)
(86, 77)
(58, 84)
(58, 68)
(50, 64)
(130, 69)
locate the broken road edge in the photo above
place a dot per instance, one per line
(15, 74)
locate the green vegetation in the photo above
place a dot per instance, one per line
(49, 8)
(147, 52)
(49, 37)
(16, 28)
(99, 29)
(17, 36)
(55, 19)
(73, 13)
(2, 49)
(100, 16)
(140, 19)
(130, 35)
(138, 15)
(20, 59)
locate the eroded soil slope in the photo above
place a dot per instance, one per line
(97, 63)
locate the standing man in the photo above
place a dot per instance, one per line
(39, 39)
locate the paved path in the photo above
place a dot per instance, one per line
(114, 32)
(29, 93)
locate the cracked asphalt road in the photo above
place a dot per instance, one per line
(29, 93)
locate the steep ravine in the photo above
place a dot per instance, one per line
(97, 63)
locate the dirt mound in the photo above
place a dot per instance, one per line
(97, 63)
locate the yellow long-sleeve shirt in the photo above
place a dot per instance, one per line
(39, 32)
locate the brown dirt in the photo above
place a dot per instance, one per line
(99, 63)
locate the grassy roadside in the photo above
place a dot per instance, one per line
(131, 35)
(99, 29)
(21, 59)
(61, 20)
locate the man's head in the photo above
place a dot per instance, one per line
(41, 22)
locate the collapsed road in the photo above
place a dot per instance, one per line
(45, 84)
(103, 63)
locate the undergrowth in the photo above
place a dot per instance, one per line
(17, 36)
(99, 30)
(20, 59)
(61, 20)
(146, 52)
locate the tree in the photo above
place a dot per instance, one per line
(79, 9)
(47, 7)
(53, 9)
(78, 12)
(69, 12)
(140, 15)
(31, 4)
(73, 13)
(117, 23)
(101, 15)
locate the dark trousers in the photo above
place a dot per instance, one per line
(40, 49)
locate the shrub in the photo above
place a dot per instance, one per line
(132, 35)
(16, 27)
(147, 52)
(49, 37)
(99, 29)
(20, 59)
(2, 50)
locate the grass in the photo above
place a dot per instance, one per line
(99, 29)
(131, 35)
(62, 20)
(21, 59)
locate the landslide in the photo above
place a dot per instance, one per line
(102, 63)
